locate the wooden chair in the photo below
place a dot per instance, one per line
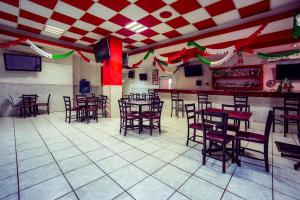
(126, 118)
(192, 124)
(177, 104)
(69, 109)
(14, 107)
(46, 104)
(235, 126)
(154, 116)
(241, 101)
(216, 136)
(103, 105)
(91, 109)
(29, 105)
(203, 102)
(256, 138)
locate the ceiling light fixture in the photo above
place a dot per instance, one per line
(137, 27)
(54, 30)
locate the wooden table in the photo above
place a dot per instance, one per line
(140, 104)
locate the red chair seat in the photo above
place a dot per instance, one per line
(251, 137)
(293, 117)
(90, 108)
(232, 127)
(218, 137)
(133, 112)
(199, 126)
(151, 116)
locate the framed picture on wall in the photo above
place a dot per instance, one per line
(155, 77)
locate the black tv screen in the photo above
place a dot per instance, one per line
(84, 86)
(131, 74)
(101, 50)
(19, 62)
(289, 71)
(143, 77)
(193, 70)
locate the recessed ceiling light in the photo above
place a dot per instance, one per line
(54, 30)
(137, 27)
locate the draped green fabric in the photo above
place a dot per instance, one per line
(194, 44)
(278, 55)
(151, 51)
(296, 29)
(202, 59)
(61, 56)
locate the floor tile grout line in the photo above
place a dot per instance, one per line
(225, 189)
(92, 162)
(17, 165)
(54, 159)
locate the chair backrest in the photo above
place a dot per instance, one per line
(217, 120)
(156, 106)
(137, 96)
(124, 109)
(202, 97)
(125, 99)
(174, 95)
(67, 101)
(144, 96)
(29, 99)
(241, 100)
(92, 102)
(268, 125)
(292, 104)
(190, 112)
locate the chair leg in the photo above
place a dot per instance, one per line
(194, 136)
(204, 153)
(273, 124)
(233, 152)
(171, 108)
(266, 157)
(151, 126)
(188, 137)
(48, 109)
(223, 158)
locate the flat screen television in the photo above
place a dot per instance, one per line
(289, 71)
(84, 86)
(131, 74)
(193, 69)
(143, 77)
(19, 62)
(101, 50)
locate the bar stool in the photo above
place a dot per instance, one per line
(177, 104)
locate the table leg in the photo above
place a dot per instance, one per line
(140, 119)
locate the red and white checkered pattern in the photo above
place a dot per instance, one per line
(87, 21)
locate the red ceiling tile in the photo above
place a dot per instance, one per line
(149, 33)
(177, 22)
(220, 7)
(205, 24)
(48, 4)
(150, 6)
(81, 4)
(120, 20)
(125, 32)
(172, 34)
(92, 19)
(12, 2)
(87, 39)
(130, 46)
(149, 21)
(29, 29)
(185, 6)
(101, 31)
(68, 39)
(33, 17)
(116, 5)
(129, 40)
(8, 17)
(77, 30)
(254, 9)
(63, 18)
(148, 41)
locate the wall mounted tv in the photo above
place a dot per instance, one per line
(101, 50)
(19, 62)
(193, 69)
(289, 71)
(84, 86)
(143, 77)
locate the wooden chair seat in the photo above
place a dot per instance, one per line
(218, 137)
(251, 137)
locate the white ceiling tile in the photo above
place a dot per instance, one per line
(83, 42)
(244, 3)
(69, 10)
(138, 37)
(58, 24)
(162, 28)
(207, 2)
(110, 26)
(138, 44)
(187, 29)
(134, 12)
(169, 1)
(50, 34)
(8, 23)
(196, 15)
(83, 25)
(165, 8)
(101, 11)
(158, 38)
(94, 36)
(7, 8)
(30, 23)
(118, 35)
(35, 8)
(227, 17)
(72, 35)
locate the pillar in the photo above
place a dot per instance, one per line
(111, 76)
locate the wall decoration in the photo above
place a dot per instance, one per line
(296, 26)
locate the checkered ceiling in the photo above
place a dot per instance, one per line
(87, 21)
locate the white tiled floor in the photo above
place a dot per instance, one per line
(46, 158)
